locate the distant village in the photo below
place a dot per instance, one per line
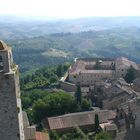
(112, 86)
(114, 100)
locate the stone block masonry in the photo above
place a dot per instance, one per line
(11, 122)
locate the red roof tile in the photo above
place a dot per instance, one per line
(42, 136)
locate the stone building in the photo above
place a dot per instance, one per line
(112, 94)
(125, 118)
(11, 121)
(114, 101)
(84, 120)
(29, 131)
(122, 64)
(89, 71)
(136, 84)
(110, 128)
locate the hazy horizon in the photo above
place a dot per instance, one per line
(69, 9)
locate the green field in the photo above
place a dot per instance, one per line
(55, 53)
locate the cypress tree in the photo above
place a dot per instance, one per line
(96, 122)
(78, 94)
(59, 70)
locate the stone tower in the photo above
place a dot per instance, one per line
(11, 122)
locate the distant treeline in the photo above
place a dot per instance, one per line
(31, 53)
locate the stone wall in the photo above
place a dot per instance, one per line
(9, 109)
(87, 79)
(69, 87)
(11, 122)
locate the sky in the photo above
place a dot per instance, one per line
(70, 8)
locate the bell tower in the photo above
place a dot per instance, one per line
(6, 59)
(11, 122)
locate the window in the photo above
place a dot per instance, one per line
(1, 63)
(18, 109)
(0, 58)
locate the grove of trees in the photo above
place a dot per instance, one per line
(79, 134)
(44, 77)
(40, 104)
(130, 75)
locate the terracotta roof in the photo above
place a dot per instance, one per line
(42, 136)
(87, 66)
(80, 67)
(78, 119)
(123, 62)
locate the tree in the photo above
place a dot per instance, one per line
(85, 105)
(76, 134)
(41, 78)
(30, 116)
(96, 121)
(78, 94)
(103, 136)
(59, 70)
(54, 135)
(130, 75)
(66, 66)
(39, 111)
(80, 133)
(26, 102)
(54, 104)
(53, 79)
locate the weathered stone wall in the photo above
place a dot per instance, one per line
(90, 78)
(17, 93)
(136, 84)
(11, 122)
(6, 59)
(10, 108)
(68, 86)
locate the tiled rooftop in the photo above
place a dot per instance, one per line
(78, 119)
(80, 67)
(123, 62)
